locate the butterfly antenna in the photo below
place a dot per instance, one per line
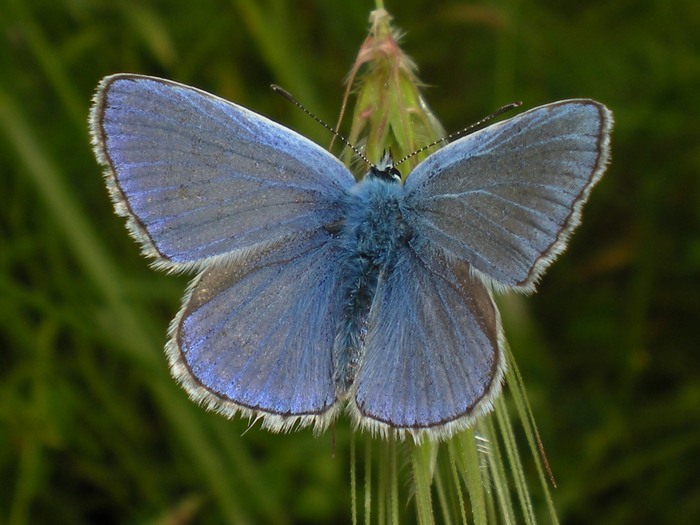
(461, 132)
(286, 94)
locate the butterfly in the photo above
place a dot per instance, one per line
(316, 293)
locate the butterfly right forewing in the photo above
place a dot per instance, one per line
(506, 198)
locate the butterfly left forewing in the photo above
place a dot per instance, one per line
(200, 178)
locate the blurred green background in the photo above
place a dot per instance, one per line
(92, 427)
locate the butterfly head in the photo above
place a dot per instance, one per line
(385, 169)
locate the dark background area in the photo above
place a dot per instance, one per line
(92, 427)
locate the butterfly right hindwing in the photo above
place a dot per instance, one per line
(433, 356)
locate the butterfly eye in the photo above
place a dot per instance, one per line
(388, 174)
(394, 174)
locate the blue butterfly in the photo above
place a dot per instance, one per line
(315, 292)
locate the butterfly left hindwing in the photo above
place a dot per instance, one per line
(256, 335)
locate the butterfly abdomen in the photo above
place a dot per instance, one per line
(369, 237)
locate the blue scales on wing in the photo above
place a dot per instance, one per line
(208, 185)
(506, 198)
(256, 335)
(201, 178)
(433, 360)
